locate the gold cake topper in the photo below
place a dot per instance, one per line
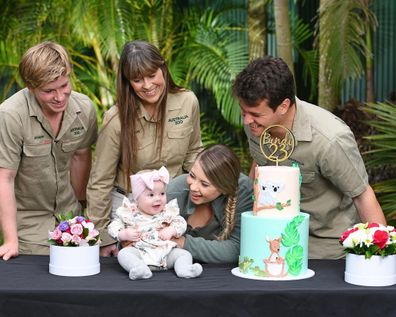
(275, 149)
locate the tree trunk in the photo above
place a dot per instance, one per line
(282, 29)
(370, 97)
(105, 96)
(257, 17)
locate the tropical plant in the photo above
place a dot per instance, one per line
(300, 33)
(200, 44)
(340, 32)
(216, 53)
(382, 153)
(203, 46)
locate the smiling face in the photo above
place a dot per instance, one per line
(261, 116)
(201, 189)
(153, 201)
(54, 96)
(149, 88)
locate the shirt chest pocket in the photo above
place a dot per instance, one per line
(308, 186)
(178, 142)
(147, 153)
(36, 158)
(36, 150)
(307, 177)
(65, 151)
(70, 146)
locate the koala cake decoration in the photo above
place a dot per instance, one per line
(273, 191)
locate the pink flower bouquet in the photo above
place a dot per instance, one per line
(74, 232)
(369, 239)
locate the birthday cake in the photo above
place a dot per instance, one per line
(274, 236)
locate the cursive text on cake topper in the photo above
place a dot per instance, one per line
(274, 148)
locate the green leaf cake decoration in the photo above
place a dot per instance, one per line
(291, 239)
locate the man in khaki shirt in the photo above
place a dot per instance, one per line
(46, 131)
(334, 190)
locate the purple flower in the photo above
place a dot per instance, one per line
(64, 226)
(80, 219)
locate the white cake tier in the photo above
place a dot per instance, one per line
(277, 191)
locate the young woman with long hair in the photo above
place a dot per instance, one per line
(154, 123)
(211, 198)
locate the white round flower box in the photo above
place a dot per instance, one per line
(74, 261)
(376, 271)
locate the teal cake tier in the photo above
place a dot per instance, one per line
(274, 247)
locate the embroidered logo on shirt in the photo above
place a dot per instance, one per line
(38, 138)
(77, 130)
(178, 120)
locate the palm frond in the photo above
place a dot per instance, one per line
(216, 55)
(386, 193)
(382, 153)
(301, 32)
(344, 25)
(382, 144)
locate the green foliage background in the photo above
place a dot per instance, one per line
(204, 43)
(204, 47)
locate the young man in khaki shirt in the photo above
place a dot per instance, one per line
(335, 189)
(46, 131)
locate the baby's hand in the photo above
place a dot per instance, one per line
(167, 233)
(129, 234)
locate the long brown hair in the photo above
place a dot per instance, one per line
(139, 59)
(222, 168)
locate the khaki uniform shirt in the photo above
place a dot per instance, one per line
(182, 142)
(42, 160)
(333, 172)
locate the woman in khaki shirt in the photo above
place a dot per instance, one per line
(155, 123)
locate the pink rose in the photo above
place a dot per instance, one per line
(89, 225)
(76, 229)
(347, 233)
(66, 237)
(372, 225)
(56, 234)
(76, 239)
(380, 238)
(94, 233)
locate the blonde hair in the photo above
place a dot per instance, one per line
(222, 168)
(44, 63)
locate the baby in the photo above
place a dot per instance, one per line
(148, 223)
